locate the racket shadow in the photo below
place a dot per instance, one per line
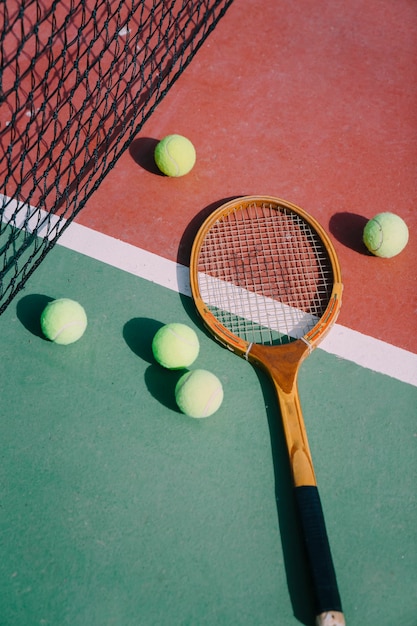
(295, 559)
(186, 242)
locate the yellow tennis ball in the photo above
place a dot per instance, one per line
(199, 393)
(175, 155)
(385, 235)
(63, 321)
(175, 346)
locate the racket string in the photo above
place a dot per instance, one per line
(265, 274)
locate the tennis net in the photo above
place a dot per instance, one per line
(78, 79)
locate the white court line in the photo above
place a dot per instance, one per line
(272, 315)
(343, 342)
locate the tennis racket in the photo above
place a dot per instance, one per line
(266, 281)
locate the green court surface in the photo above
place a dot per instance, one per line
(117, 510)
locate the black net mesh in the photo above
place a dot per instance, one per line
(78, 79)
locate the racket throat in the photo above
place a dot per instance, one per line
(282, 367)
(296, 438)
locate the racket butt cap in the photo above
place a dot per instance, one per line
(330, 618)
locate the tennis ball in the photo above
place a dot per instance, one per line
(175, 346)
(198, 393)
(175, 155)
(385, 235)
(63, 321)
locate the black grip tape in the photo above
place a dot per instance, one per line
(318, 549)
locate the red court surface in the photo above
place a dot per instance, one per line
(117, 508)
(312, 103)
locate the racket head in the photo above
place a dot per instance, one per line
(263, 271)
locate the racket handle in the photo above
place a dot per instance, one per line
(328, 604)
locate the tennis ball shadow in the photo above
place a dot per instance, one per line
(142, 152)
(295, 558)
(347, 228)
(28, 311)
(161, 385)
(138, 333)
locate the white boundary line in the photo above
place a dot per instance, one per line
(343, 342)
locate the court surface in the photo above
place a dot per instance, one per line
(117, 510)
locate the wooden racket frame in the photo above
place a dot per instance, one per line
(282, 363)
